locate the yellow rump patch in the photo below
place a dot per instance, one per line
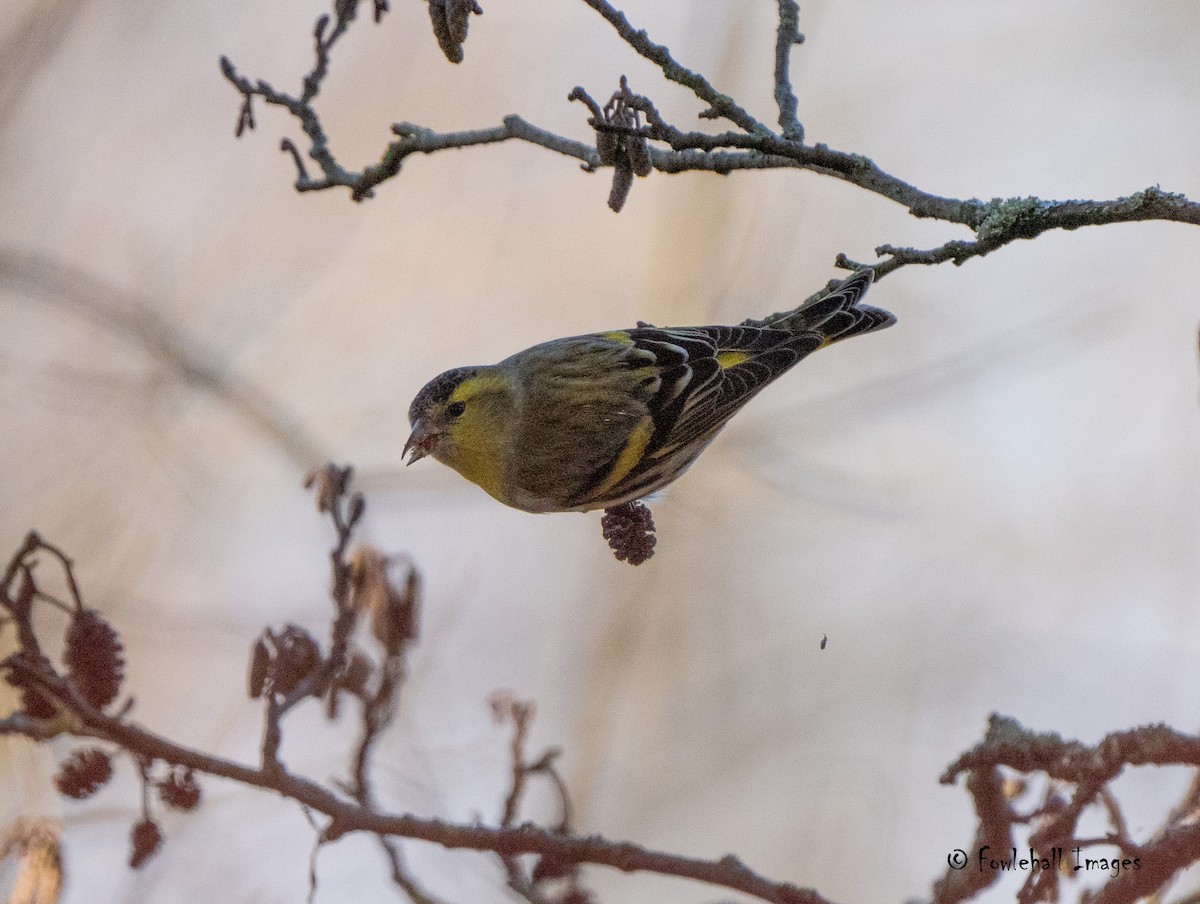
(616, 336)
(731, 357)
(639, 438)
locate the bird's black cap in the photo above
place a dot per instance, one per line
(438, 390)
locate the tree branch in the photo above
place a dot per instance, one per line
(289, 668)
(754, 146)
(347, 816)
(719, 104)
(787, 36)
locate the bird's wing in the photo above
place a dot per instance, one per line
(694, 380)
(641, 404)
(710, 372)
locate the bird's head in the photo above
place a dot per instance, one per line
(461, 419)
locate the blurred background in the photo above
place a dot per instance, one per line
(991, 507)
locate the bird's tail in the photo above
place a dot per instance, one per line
(838, 314)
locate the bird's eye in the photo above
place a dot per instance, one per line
(456, 409)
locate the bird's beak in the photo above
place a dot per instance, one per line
(421, 441)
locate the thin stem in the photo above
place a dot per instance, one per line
(719, 104)
(787, 36)
(753, 146)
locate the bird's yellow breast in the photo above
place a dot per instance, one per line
(478, 436)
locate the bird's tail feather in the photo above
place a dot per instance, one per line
(839, 314)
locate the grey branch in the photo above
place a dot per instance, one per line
(752, 146)
(787, 35)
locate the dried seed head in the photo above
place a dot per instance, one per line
(39, 872)
(393, 611)
(639, 155)
(621, 184)
(330, 483)
(450, 20)
(179, 789)
(608, 146)
(629, 530)
(93, 658)
(357, 674)
(296, 655)
(1013, 787)
(458, 13)
(146, 839)
(83, 773)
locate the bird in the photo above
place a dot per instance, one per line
(600, 420)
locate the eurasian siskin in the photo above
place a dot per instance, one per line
(591, 422)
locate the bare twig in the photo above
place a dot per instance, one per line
(346, 817)
(753, 146)
(68, 568)
(521, 714)
(297, 672)
(1089, 770)
(1007, 743)
(400, 874)
(1174, 851)
(786, 37)
(994, 829)
(719, 104)
(393, 616)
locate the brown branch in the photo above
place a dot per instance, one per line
(1177, 849)
(297, 671)
(1008, 743)
(400, 875)
(393, 614)
(1089, 769)
(994, 830)
(520, 712)
(347, 816)
(68, 567)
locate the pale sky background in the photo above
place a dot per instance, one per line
(991, 507)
